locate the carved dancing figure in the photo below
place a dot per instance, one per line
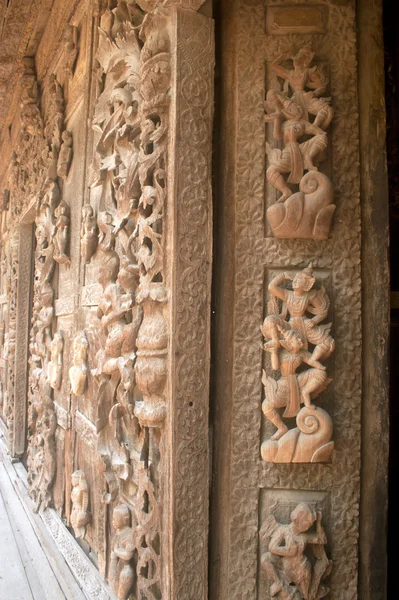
(302, 299)
(80, 516)
(291, 390)
(305, 213)
(304, 76)
(121, 570)
(290, 126)
(288, 334)
(287, 562)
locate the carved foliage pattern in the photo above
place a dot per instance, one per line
(195, 58)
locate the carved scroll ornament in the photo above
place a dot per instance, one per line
(300, 116)
(288, 334)
(296, 561)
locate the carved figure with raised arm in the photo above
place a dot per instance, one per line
(300, 117)
(289, 126)
(303, 76)
(296, 560)
(289, 334)
(302, 299)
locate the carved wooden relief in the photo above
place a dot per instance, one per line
(80, 515)
(300, 71)
(119, 218)
(289, 333)
(296, 561)
(300, 116)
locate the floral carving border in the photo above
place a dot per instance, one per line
(194, 106)
(254, 253)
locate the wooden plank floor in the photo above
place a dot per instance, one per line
(31, 567)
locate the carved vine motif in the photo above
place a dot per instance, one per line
(128, 194)
(80, 515)
(52, 237)
(289, 334)
(308, 212)
(296, 560)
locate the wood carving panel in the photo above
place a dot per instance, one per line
(254, 253)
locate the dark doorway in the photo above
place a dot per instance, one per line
(392, 112)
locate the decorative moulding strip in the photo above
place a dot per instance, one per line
(85, 429)
(64, 306)
(91, 294)
(190, 171)
(63, 417)
(86, 574)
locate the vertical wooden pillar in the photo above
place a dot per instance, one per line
(189, 234)
(24, 298)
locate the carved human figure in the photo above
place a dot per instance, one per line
(71, 50)
(65, 154)
(298, 112)
(43, 460)
(290, 126)
(121, 569)
(61, 238)
(54, 369)
(296, 560)
(43, 323)
(304, 76)
(288, 334)
(80, 516)
(78, 371)
(302, 299)
(291, 390)
(89, 233)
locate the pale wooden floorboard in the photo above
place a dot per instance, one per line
(14, 583)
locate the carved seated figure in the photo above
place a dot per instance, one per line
(121, 570)
(287, 562)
